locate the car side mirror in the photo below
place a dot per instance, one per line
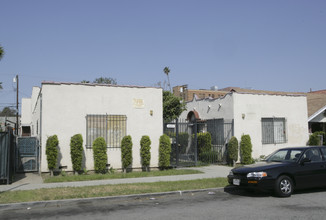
(305, 160)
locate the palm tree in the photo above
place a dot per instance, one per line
(166, 70)
(1, 52)
(1, 55)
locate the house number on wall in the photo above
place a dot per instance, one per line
(138, 103)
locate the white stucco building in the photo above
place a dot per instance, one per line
(92, 110)
(273, 121)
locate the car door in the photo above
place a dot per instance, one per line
(311, 171)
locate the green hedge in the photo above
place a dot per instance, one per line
(100, 155)
(126, 152)
(246, 149)
(204, 143)
(233, 148)
(145, 151)
(52, 152)
(76, 152)
(164, 152)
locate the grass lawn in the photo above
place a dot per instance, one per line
(72, 178)
(108, 190)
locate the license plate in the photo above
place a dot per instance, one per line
(236, 182)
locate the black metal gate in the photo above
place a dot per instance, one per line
(27, 154)
(7, 156)
(184, 141)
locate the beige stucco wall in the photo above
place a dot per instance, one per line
(255, 107)
(26, 109)
(64, 110)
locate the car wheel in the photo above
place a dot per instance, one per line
(284, 186)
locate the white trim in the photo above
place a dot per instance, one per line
(317, 113)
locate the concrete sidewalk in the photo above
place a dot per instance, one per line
(34, 181)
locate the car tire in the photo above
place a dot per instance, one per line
(284, 186)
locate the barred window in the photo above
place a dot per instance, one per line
(273, 130)
(111, 127)
(116, 129)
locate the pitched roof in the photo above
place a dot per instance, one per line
(319, 91)
(315, 101)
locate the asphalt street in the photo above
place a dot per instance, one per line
(226, 203)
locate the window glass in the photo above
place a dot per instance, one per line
(289, 155)
(313, 155)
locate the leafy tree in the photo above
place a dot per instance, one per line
(105, 80)
(0, 85)
(246, 149)
(166, 70)
(7, 111)
(164, 152)
(85, 81)
(233, 147)
(76, 152)
(145, 152)
(52, 152)
(126, 152)
(172, 106)
(100, 155)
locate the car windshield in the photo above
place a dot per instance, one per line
(285, 155)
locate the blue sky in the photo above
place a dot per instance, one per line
(275, 45)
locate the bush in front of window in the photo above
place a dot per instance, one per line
(246, 149)
(126, 152)
(76, 152)
(52, 152)
(145, 152)
(233, 148)
(315, 138)
(100, 155)
(164, 152)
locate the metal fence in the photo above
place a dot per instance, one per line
(184, 139)
(27, 156)
(7, 156)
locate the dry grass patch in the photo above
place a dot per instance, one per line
(108, 190)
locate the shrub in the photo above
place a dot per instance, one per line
(164, 152)
(209, 157)
(183, 141)
(204, 143)
(145, 152)
(314, 139)
(246, 149)
(100, 155)
(76, 152)
(52, 152)
(126, 152)
(233, 150)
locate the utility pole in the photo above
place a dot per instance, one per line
(17, 110)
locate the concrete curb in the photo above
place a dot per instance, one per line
(59, 203)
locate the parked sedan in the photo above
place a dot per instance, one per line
(283, 171)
